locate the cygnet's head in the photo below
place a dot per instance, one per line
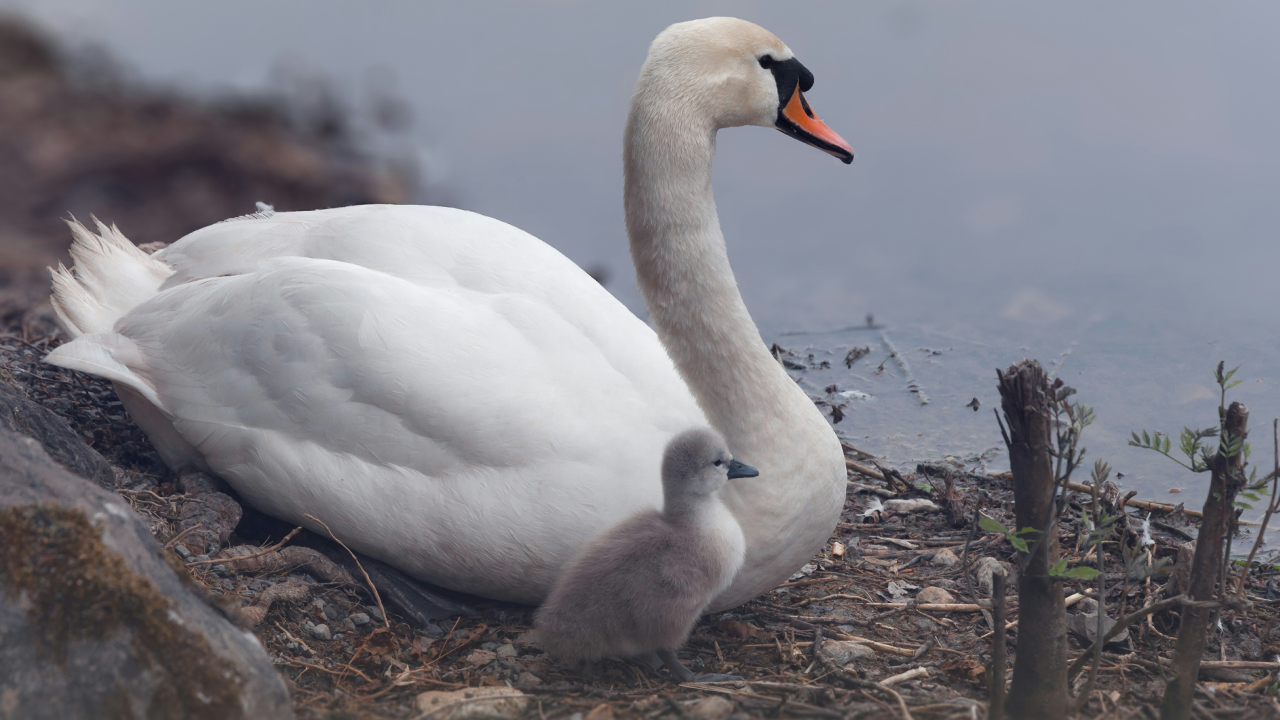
(697, 463)
(730, 73)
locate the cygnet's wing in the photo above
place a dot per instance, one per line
(634, 589)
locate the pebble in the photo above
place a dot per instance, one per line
(712, 707)
(320, 632)
(200, 558)
(507, 651)
(987, 567)
(373, 611)
(843, 652)
(350, 625)
(359, 619)
(331, 612)
(944, 558)
(182, 550)
(805, 571)
(934, 595)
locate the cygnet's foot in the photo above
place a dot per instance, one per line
(683, 674)
(648, 661)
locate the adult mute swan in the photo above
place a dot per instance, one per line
(453, 396)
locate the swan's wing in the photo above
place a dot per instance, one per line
(455, 431)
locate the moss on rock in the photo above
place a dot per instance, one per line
(74, 588)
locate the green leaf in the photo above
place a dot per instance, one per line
(1058, 568)
(1246, 506)
(1018, 543)
(1082, 572)
(990, 525)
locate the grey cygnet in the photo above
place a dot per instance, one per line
(638, 588)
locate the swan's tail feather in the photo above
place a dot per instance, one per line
(109, 278)
(101, 354)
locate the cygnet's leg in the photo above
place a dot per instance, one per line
(649, 661)
(684, 674)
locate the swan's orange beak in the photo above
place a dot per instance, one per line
(796, 119)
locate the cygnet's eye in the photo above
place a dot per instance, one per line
(718, 463)
(766, 61)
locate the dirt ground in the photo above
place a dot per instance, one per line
(901, 628)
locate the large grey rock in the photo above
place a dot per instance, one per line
(96, 622)
(21, 415)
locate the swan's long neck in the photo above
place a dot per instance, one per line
(683, 271)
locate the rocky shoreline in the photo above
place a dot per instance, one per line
(884, 618)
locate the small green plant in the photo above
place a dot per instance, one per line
(1191, 443)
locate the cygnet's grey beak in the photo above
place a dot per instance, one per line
(741, 470)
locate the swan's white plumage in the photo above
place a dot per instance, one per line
(450, 394)
(316, 385)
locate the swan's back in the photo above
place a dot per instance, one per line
(448, 391)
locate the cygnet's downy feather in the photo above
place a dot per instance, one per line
(640, 586)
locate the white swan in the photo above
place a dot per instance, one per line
(455, 397)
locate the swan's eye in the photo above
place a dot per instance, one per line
(719, 463)
(766, 61)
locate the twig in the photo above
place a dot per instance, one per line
(936, 607)
(1148, 505)
(863, 469)
(973, 531)
(1127, 620)
(226, 560)
(911, 674)
(295, 639)
(176, 538)
(1271, 508)
(996, 673)
(385, 620)
(294, 661)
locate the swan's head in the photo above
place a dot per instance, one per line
(696, 464)
(733, 73)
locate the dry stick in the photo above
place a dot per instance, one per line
(177, 538)
(385, 620)
(1071, 600)
(271, 549)
(973, 530)
(1227, 476)
(996, 674)
(911, 674)
(844, 676)
(1082, 697)
(1148, 505)
(1039, 687)
(932, 607)
(1271, 508)
(1127, 620)
(863, 470)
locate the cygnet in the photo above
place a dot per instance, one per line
(637, 589)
